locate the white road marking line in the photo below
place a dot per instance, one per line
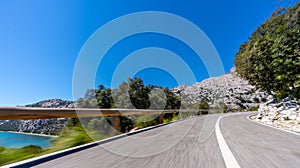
(228, 157)
(248, 117)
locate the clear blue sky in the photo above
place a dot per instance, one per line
(40, 40)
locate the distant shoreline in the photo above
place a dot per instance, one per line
(26, 133)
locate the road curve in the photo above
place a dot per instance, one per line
(193, 143)
(256, 145)
(198, 148)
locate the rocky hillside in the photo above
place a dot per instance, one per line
(39, 126)
(284, 114)
(230, 89)
(53, 103)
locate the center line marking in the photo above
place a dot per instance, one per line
(228, 157)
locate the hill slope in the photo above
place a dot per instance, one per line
(39, 126)
(230, 89)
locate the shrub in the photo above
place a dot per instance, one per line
(204, 107)
(248, 101)
(146, 120)
(10, 155)
(256, 99)
(263, 100)
(2, 149)
(253, 108)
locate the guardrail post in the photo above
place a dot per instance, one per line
(116, 123)
(161, 118)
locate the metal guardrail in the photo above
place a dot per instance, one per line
(27, 113)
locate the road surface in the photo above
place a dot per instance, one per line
(194, 143)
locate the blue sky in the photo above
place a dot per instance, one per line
(40, 40)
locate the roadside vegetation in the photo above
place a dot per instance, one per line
(11, 155)
(270, 60)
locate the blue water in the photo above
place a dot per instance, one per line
(15, 140)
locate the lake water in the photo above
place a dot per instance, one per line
(15, 140)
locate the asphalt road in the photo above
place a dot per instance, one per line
(255, 145)
(193, 143)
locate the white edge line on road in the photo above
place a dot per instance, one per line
(228, 157)
(86, 146)
(248, 117)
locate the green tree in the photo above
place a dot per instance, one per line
(157, 98)
(146, 120)
(138, 93)
(121, 97)
(104, 97)
(129, 95)
(89, 100)
(270, 59)
(101, 98)
(173, 101)
(101, 125)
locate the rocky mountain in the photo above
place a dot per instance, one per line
(39, 126)
(230, 89)
(53, 103)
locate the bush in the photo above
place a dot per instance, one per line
(248, 101)
(2, 149)
(240, 105)
(127, 123)
(222, 107)
(10, 155)
(146, 120)
(256, 99)
(101, 125)
(204, 107)
(71, 137)
(263, 100)
(254, 108)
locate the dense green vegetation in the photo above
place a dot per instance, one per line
(130, 95)
(204, 106)
(270, 59)
(11, 155)
(73, 134)
(133, 94)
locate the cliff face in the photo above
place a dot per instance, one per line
(39, 126)
(230, 89)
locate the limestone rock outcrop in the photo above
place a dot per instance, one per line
(39, 126)
(230, 89)
(284, 114)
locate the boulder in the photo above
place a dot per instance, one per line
(284, 114)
